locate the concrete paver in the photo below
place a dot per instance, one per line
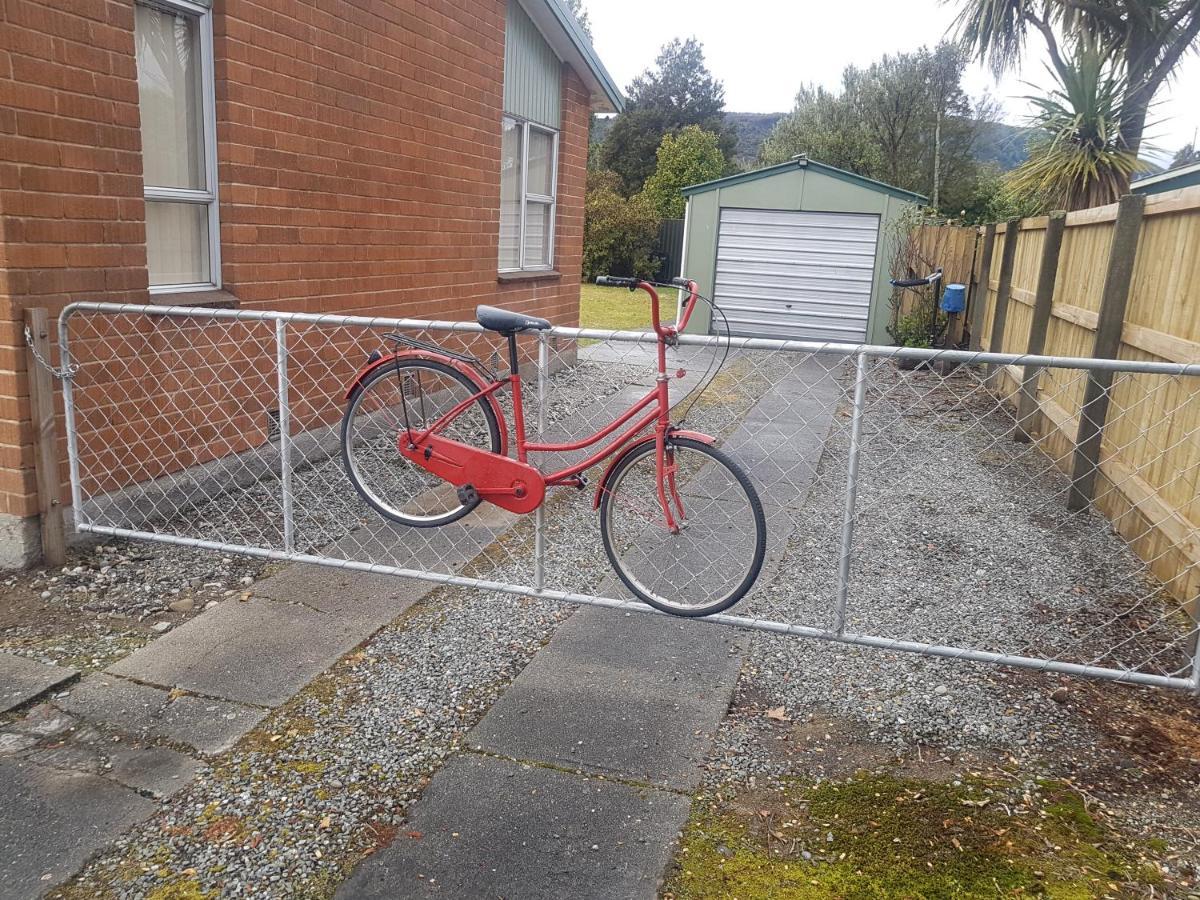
(209, 726)
(493, 828)
(258, 652)
(54, 820)
(160, 771)
(637, 697)
(22, 680)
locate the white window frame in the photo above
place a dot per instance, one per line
(202, 13)
(526, 198)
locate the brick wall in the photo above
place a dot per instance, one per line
(358, 167)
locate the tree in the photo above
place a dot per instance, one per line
(618, 233)
(688, 156)
(1077, 156)
(1144, 40)
(826, 127)
(678, 92)
(579, 11)
(904, 119)
(1186, 155)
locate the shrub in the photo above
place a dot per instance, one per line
(618, 234)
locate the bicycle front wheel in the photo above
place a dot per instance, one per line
(717, 553)
(412, 393)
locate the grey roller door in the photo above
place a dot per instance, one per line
(805, 275)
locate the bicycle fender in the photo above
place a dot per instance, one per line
(475, 378)
(648, 439)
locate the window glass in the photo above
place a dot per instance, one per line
(537, 234)
(168, 64)
(510, 195)
(541, 163)
(527, 159)
(177, 242)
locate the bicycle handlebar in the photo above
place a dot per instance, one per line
(689, 304)
(617, 281)
(932, 278)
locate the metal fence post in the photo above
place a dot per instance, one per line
(64, 362)
(860, 394)
(285, 437)
(539, 517)
(1042, 302)
(1196, 656)
(1109, 325)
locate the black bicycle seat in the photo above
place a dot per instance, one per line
(507, 322)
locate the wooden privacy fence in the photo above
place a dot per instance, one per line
(931, 246)
(1119, 282)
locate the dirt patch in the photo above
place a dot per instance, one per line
(108, 599)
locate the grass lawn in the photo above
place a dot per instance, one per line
(617, 308)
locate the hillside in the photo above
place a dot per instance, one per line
(998, 142)
(752, 130)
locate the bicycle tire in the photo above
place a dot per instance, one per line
(354, 473)
(611, 497)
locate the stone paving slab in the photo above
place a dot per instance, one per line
(369, 600)
(259, 651)
(637, 697)
(160, 771)
(493, 828)
(209, 726)
(22, 680)
(54, 820)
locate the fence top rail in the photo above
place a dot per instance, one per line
(638, 337)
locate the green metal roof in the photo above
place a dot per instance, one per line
(805, 163)
(578, 42)
(1170, 180)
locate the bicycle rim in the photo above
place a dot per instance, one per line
(717, 554)
(412, 394)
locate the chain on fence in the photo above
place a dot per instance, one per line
(913, 501)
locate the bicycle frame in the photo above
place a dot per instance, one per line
(652, 409)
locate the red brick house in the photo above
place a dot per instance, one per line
(389, 157)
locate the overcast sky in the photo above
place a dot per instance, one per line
(763, 50)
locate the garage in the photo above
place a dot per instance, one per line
(798, 251)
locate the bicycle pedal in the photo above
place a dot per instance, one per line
(468, 495)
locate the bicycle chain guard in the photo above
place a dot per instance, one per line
(508, 483)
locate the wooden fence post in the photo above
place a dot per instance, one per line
(1012, 233)
(982, 285)
(45, 437)
(1047, 274)
(1111, 322)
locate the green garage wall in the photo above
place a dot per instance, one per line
(804, 186)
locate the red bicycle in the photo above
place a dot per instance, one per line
(424, 442)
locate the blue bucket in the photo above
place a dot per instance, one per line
(954, 298)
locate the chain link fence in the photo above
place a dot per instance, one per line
(913, 502)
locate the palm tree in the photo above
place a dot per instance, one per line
(1077, 157)
(1145, 39)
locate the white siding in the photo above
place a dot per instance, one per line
(803, 275)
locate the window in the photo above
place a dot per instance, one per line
(528, 179)
(175, 94)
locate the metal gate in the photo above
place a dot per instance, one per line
(907, 510)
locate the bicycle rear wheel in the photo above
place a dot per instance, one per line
(714, 559)
(411, 393)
